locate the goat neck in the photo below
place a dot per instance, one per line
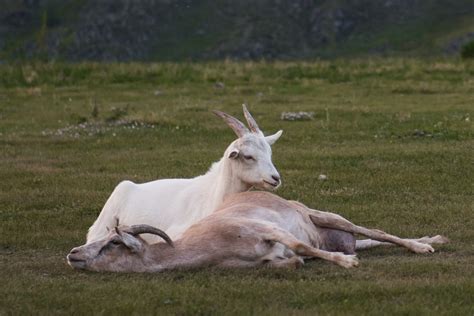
(221, 182)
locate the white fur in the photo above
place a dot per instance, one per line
(175, 204)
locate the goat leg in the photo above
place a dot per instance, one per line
(334, 221)
(370, 243)
(275, 234)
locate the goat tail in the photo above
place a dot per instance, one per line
(110, 215)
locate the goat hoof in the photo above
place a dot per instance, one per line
(438, 239)
(348, 261)
(423, 248)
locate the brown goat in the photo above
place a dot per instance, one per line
(249, 229)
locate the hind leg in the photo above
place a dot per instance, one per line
(334, 221)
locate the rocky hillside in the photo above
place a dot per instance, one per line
(124, 30)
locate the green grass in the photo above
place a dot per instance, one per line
(394, 137)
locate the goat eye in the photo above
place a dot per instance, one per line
(115, 242)
(249, 157)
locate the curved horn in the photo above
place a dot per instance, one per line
(147, 229)
(251, 121)
(237, 126)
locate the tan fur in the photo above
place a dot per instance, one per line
(249, 229)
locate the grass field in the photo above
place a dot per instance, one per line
(394, 137)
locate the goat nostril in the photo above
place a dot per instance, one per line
(276, 178)
(75, 250)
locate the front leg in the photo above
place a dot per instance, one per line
(275, 234)
(370, 243)
(294, 262)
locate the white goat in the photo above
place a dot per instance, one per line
(249, 229)
(175, 204)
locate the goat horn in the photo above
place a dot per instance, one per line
(237, 126)
(250, 120)
(147, 229)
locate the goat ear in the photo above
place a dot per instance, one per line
(271, 139)
(234, 154)
(131, 242)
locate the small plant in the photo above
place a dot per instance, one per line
(41, 37)
(95, 109)
(467, 51)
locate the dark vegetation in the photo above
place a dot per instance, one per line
(121, 30)
(468, 50)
